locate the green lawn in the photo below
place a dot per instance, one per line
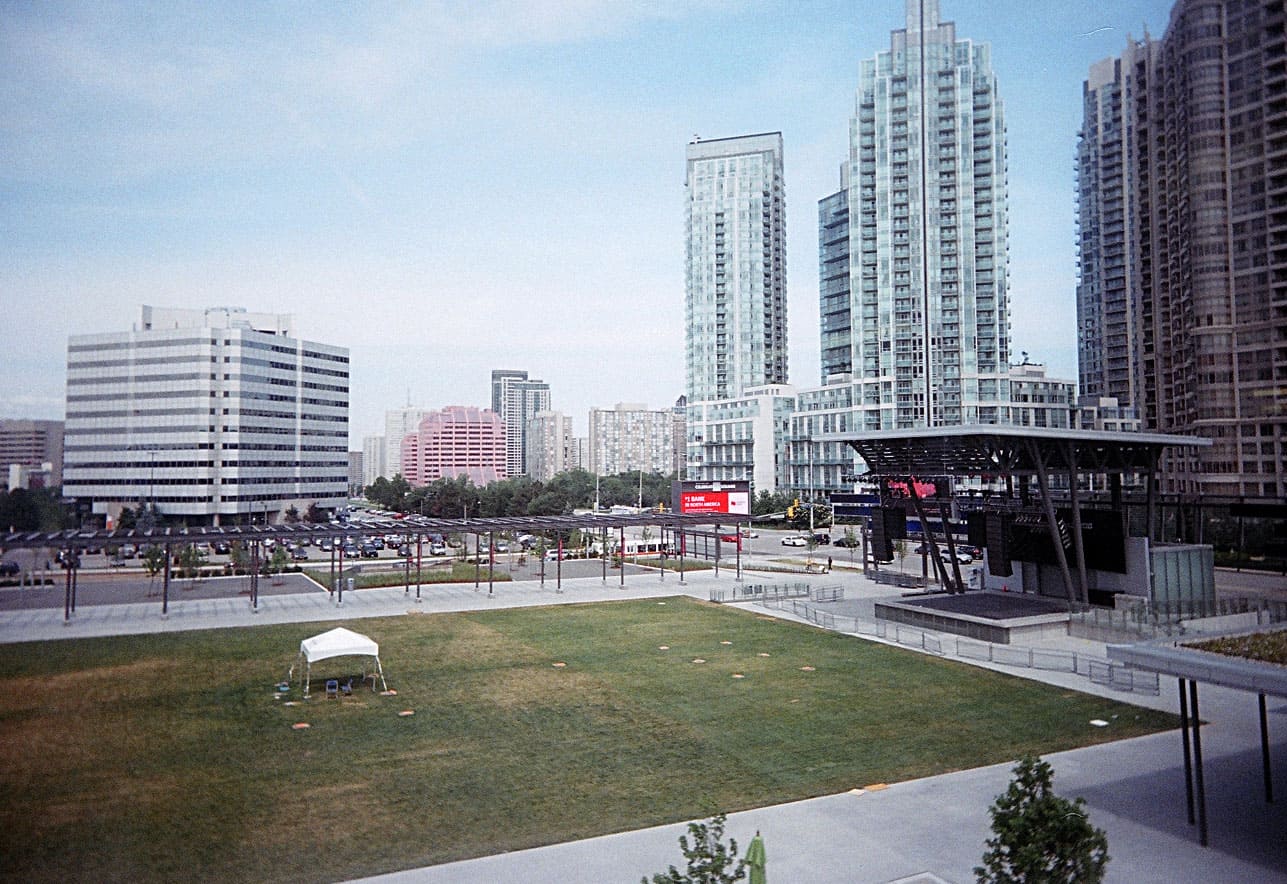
(159, 758)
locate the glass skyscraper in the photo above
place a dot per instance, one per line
(925, 332)
(735, 286)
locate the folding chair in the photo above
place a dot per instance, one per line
(332, 688)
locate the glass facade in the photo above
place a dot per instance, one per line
(735, 280)
(929, 340)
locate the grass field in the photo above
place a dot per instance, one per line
(167, 757)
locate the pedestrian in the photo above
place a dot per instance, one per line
(828, 564)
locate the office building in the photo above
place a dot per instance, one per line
(517, 398)
(456, 441)
(925, 336)
(213, 416)
(735, 307)
(36, 447)
(630, 437)
(551, 447)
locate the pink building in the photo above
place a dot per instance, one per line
(457, 441)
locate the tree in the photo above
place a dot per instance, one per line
(709, 859)
(291, 516)
(315, 514)
(153, 561)
(275, 565)
(1040, 836)
(190, 559)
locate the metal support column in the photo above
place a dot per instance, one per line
(1264, 752)
(491, 562)
(1188, 757)
(165, 583)
(622, 539)
(1197, 763)
(419, 562)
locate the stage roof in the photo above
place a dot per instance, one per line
(975, 449)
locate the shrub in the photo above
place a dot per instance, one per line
(1040, 836)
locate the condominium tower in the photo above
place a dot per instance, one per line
(923, 324)
(1206, 244)
(517, 398)
(1107, 154)
(735, 279)
(210, 416)
(630, 437)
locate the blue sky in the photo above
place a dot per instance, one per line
(451, 187)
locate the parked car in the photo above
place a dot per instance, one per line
(221, 547)
(794, 540)
(10, 569)
(848, 541)
(405, 550)
(377, 541)
(325, 544)
(502, 546)
(822, 539)
(437, 549)
(370, 550)
(299, 554)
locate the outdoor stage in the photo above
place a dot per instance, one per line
(998, 617)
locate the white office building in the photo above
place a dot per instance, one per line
(215, 416)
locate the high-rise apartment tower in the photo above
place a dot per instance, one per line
(925, 332)
(735, 280)
(1206, 243)
(517, 398)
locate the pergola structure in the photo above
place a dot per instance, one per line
(1190, 666)
(74, 541)
(1016, 452)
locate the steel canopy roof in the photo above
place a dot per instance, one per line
(412, 524)
(974, 449)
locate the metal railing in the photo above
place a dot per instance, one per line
(755, 592)
(1097, 670)
(1147, 621)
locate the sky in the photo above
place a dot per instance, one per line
(446, 188)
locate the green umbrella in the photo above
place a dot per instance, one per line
(755, 859)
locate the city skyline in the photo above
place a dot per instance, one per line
(442, 190)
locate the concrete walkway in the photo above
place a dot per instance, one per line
(924, 831)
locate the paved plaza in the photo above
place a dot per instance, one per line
(925, 830)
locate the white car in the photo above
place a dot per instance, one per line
(794, 540)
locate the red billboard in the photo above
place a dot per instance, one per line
(713, 497)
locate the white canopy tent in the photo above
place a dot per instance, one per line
(339, 642)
